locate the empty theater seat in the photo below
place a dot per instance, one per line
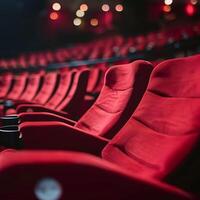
(72, 104)
(161, 134)
(66, 80)
(100, 100)
(106, 48)
(5, 84)
(123, 89)
(33, 86)
(69, 175)
(18, 86)
(48, 87)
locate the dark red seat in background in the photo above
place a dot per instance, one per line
(72, 104)
(18, 86)
(48, 88)
(5, 84)
(33, 86)
(65, 82)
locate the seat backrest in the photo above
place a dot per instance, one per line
(165, 127)
(93, 79)
(123, 89)
(18, 87)
(73, 102)
(103, 68)
(62, 91)
(5, 84)
(32, 87)
(47, 88)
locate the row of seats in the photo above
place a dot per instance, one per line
(139, 139)
(67, 90)
(105, 47)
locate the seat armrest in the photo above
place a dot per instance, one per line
(38, 108)
(81, 176)
(9, 120)
(44, 116)
(60, 136)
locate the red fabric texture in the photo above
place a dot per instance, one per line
(47, 89)
(165, 127)
(32, 87)
(5, 84)
(18, 87)
(66, 78)
(71, 103)
(123, 89)
(80, 176)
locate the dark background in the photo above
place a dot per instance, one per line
(25, 24)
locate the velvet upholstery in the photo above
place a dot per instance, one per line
(123, 89)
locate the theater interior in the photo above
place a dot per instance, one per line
(100, 100)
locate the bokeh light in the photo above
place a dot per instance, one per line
(167, 8)
(84, 7)
(190, 9)
(77, 22)
(105, 7)
(54, 16)
(168, 2)
(94, 22)
(56, 6)
(119, 8)
(80, 13)
(194, 2)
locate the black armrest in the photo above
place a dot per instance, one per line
(10, 137)
(9, 120)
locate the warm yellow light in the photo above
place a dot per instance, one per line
(53, 16)
(84, 7)
(77, 22)
(168, 2)
(80, 13)
(56, 6)
(94, 22)
(105, 7)
(119, 8)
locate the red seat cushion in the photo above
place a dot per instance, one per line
(5, 84)
(72, 102)
(123, 89)
(62, 90)
(165, 127)
(47, 89)
(32, 87)
(19, 86)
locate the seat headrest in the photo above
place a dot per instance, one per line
(117, 76)
(177, 78)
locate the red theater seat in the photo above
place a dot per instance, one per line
(33, 86)
(103, 68)
(73, 103)
(5, 84)
(161, 134)
(18, 87)
(165, 121)
(66, 80)
(93, 79)
(66, 175)
(29, 90)
(48, 88)
(122, 91)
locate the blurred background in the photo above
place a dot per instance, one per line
(31, 25)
